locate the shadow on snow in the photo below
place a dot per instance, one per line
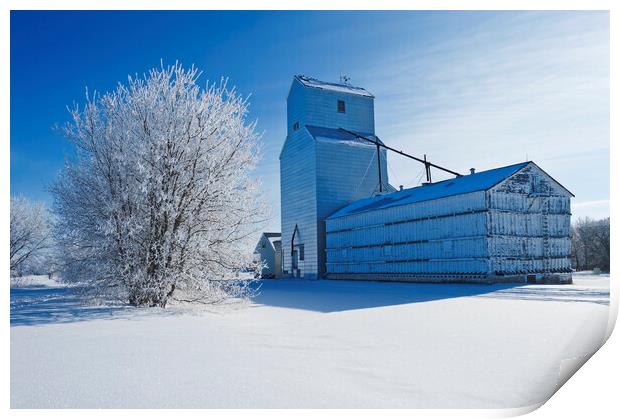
(332, 296)
(40, 306)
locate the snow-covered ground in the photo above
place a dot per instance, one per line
(309, 344)
(34, 281)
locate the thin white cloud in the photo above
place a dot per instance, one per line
(489, 89)
(514, 86)
(599, 202)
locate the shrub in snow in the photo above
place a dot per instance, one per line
(30, 238)
(158, 203)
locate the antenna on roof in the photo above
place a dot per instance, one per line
(344, 79)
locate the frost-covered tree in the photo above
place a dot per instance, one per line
(590, 241)
(30, 234)
(159, 203)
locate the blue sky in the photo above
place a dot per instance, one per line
(469, 89)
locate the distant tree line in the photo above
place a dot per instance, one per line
(590, 244)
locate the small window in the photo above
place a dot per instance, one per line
(301, 252)
(295, 126)
(341, 108)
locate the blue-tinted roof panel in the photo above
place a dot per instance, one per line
(339, 135)
(465, 184)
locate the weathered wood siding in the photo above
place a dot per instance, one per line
(420, 240)
(529, 225)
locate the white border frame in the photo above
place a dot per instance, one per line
(593, 392)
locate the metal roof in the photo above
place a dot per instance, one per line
(339, 135)
(335, 87)
(465, 184)
(272, 238)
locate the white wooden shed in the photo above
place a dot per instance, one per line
(502, 225)
(269, 250)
